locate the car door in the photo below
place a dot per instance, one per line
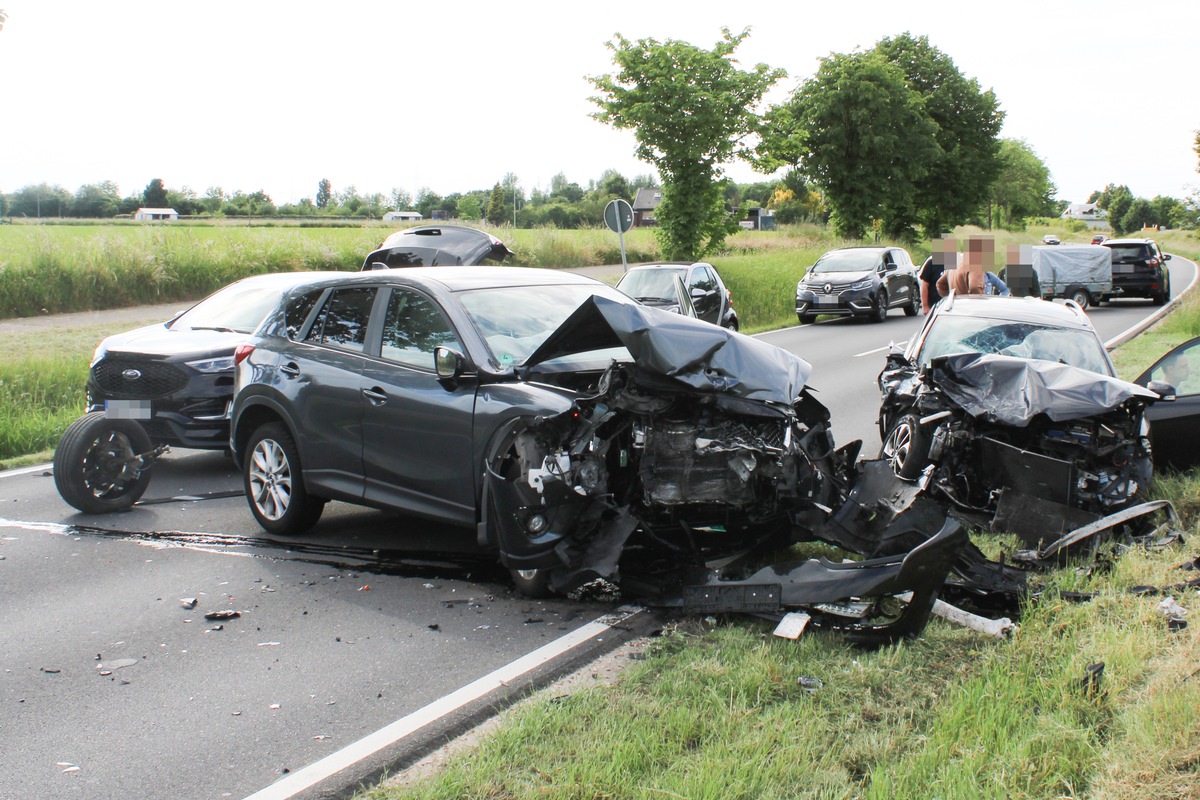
(320, 374)
(702, 286)
(897, 276)
(1175, 425)
(417, 429)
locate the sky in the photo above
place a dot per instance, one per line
(275, 95)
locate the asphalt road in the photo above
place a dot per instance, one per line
(113, 686)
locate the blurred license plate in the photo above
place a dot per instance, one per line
(822, 300)
(127, 409)
(1123, 268)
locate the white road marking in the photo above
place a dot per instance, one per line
(390, 734)
(872, 352)
(12, 473)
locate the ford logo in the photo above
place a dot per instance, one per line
(131, 374)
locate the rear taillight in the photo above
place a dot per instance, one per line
(729, 294)
(241, 353)
(1152, 262)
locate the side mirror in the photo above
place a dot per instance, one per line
(889, 267)
(1163, 389)
(1166, 256)
(448, 363)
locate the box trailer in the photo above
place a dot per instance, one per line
(1082, 273)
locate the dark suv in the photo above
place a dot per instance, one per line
(1139, 269)
(859, 282)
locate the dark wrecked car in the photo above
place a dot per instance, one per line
(160, 386)
(1010, 409)
(437, 246)
(595, 444)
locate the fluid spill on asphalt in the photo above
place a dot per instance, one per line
(379, 561)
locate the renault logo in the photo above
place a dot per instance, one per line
(131, 374)
(828, 288)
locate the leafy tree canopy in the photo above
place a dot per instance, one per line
(155, 195)
(691, 110)
(1023, 187)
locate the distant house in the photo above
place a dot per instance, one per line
(402, 216)
(643, 207)
(155, 214)
(1090, 214)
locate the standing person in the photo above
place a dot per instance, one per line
(968, 278)
(933, 268)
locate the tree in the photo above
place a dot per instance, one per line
(401, 199)
(1116, 200)
(859, 132)
(967, 124)
(469, 207)
(97, 200)
(614, 184)
(561, 189)
(1023, 187)
(155, 195)
(41, 200)
(497, 210)
(324, 193)
(691, 110)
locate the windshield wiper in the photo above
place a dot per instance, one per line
(213, 328)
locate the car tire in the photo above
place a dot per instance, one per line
(913, 306)
(533, 583)
(90, 459)
(907, 447)
(879, 312)
(806, 319)
(1080, 296)
(274, 483)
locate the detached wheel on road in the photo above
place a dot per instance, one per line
(274, 485)
(907, 447)
(97, 464)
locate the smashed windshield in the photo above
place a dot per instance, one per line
(515, 320)
(1076, 348)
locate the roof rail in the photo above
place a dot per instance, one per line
(1078, 309)
(949, 301)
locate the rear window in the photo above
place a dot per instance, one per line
(1129, 252)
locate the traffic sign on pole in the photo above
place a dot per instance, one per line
(618, 216)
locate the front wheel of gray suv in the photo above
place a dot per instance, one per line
(879, 312)
(274, 484)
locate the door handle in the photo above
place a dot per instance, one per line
(375, 395)
(290, 369)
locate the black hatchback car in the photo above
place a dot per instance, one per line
(1139, 269)
(859, 282)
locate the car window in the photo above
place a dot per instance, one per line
(846, 261)
(1181, 369)
(343, 320)
(239, 307)
(649, 283)
(1019, 339)
(515, 320)
(412, 328)
(298, 310)
(1129, 252)
(703, 278)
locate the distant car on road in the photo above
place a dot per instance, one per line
(1050, 238)
(1099, 238)
(859, 282)
(712, 300)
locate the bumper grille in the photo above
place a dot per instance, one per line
(155, 379)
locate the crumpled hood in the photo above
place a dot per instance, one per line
(1012, 391)
(437, 246)
(702, 356)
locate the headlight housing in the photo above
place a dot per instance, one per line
(865, 283)
(210, 365)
